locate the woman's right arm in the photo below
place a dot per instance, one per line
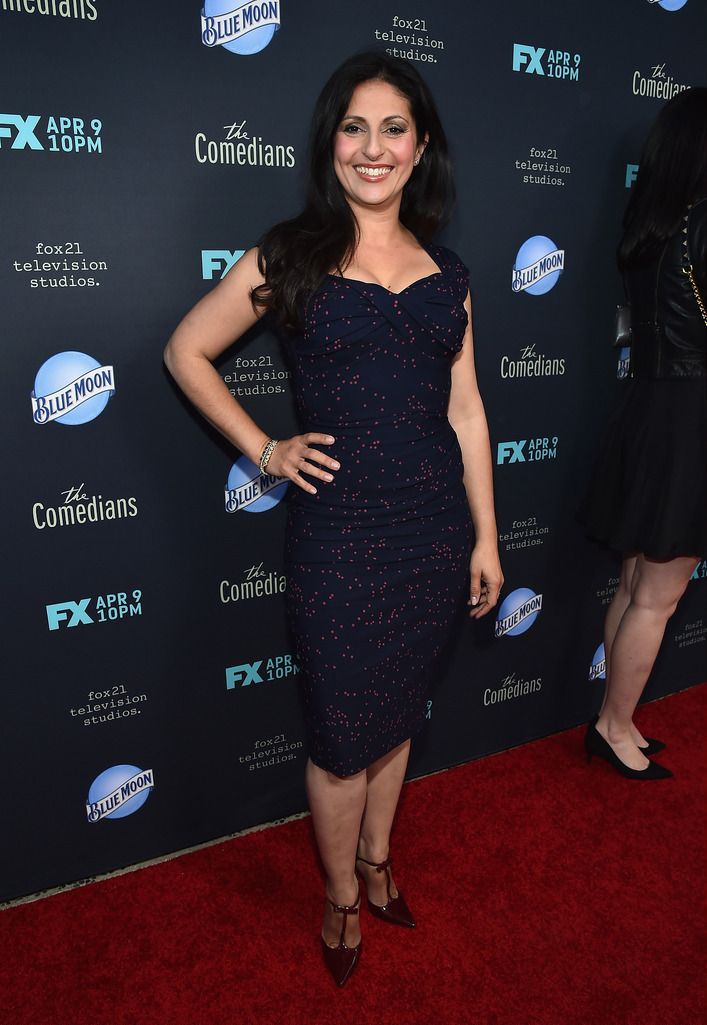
(217, 320)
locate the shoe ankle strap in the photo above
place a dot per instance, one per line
(379, 866)
(345, 909)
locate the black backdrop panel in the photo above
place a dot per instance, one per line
(150, 697)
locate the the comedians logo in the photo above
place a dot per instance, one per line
(518, 612)
(597, 670)
(83, 9)
(511, 687)
(238, 147)
(249, 489)
(241, 26)
(264, 670)
(536, 60)
(79, 508)
(107, 607)
(118, 792)
(218, 261)
(538, 266)
(531, 364)
(658, 85)
(516, 451)
(71, 388)
(256, 583)
(61, 134)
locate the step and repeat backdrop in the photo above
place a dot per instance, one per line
(150, 697)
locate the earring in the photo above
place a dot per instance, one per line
(416, 161)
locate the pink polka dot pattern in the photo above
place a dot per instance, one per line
(378, 559)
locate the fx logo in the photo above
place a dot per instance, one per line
(218, 260)
(245, 675)
(24, 130)
(510, 452)
(529, 55)
(74, 611)
(700, 571)
(631, 173)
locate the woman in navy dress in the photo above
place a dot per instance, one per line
(391, 524)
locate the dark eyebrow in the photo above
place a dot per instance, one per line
(391, 117)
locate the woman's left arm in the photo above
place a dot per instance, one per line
(467, 417)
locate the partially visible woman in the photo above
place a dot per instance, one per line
(648, 495)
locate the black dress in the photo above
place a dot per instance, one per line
(377, 560)
(648, 491)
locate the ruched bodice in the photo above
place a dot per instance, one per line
(373, 369)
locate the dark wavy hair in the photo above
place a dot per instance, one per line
(671, 176)
(296, 255)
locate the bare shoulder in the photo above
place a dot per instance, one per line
(233, 294)
(244, 274)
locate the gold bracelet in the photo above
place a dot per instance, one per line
(266, 453)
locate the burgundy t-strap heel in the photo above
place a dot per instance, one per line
(395, 910)
(342, 960)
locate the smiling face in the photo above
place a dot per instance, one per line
(375, 146)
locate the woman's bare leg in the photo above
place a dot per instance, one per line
(614, 615)
(385, 780)
(342, 808)
(619, 604)
(656, 589)
(337, 804)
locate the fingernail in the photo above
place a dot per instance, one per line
(330, 440)
(474, 599)
(337, 466)
(328, 476)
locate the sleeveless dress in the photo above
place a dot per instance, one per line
(377, 560)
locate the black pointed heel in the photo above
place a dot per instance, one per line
(341, 960)
(652, 747)
(594, 744)
(395, 910)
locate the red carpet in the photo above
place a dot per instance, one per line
(547, 892)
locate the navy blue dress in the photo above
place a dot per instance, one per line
(377, 560)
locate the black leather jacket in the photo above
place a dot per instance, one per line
(668, 334)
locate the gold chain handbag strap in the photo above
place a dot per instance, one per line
(701, 305)
(687, 269)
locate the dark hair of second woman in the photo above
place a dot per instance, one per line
(296, 255)
(671, 176)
